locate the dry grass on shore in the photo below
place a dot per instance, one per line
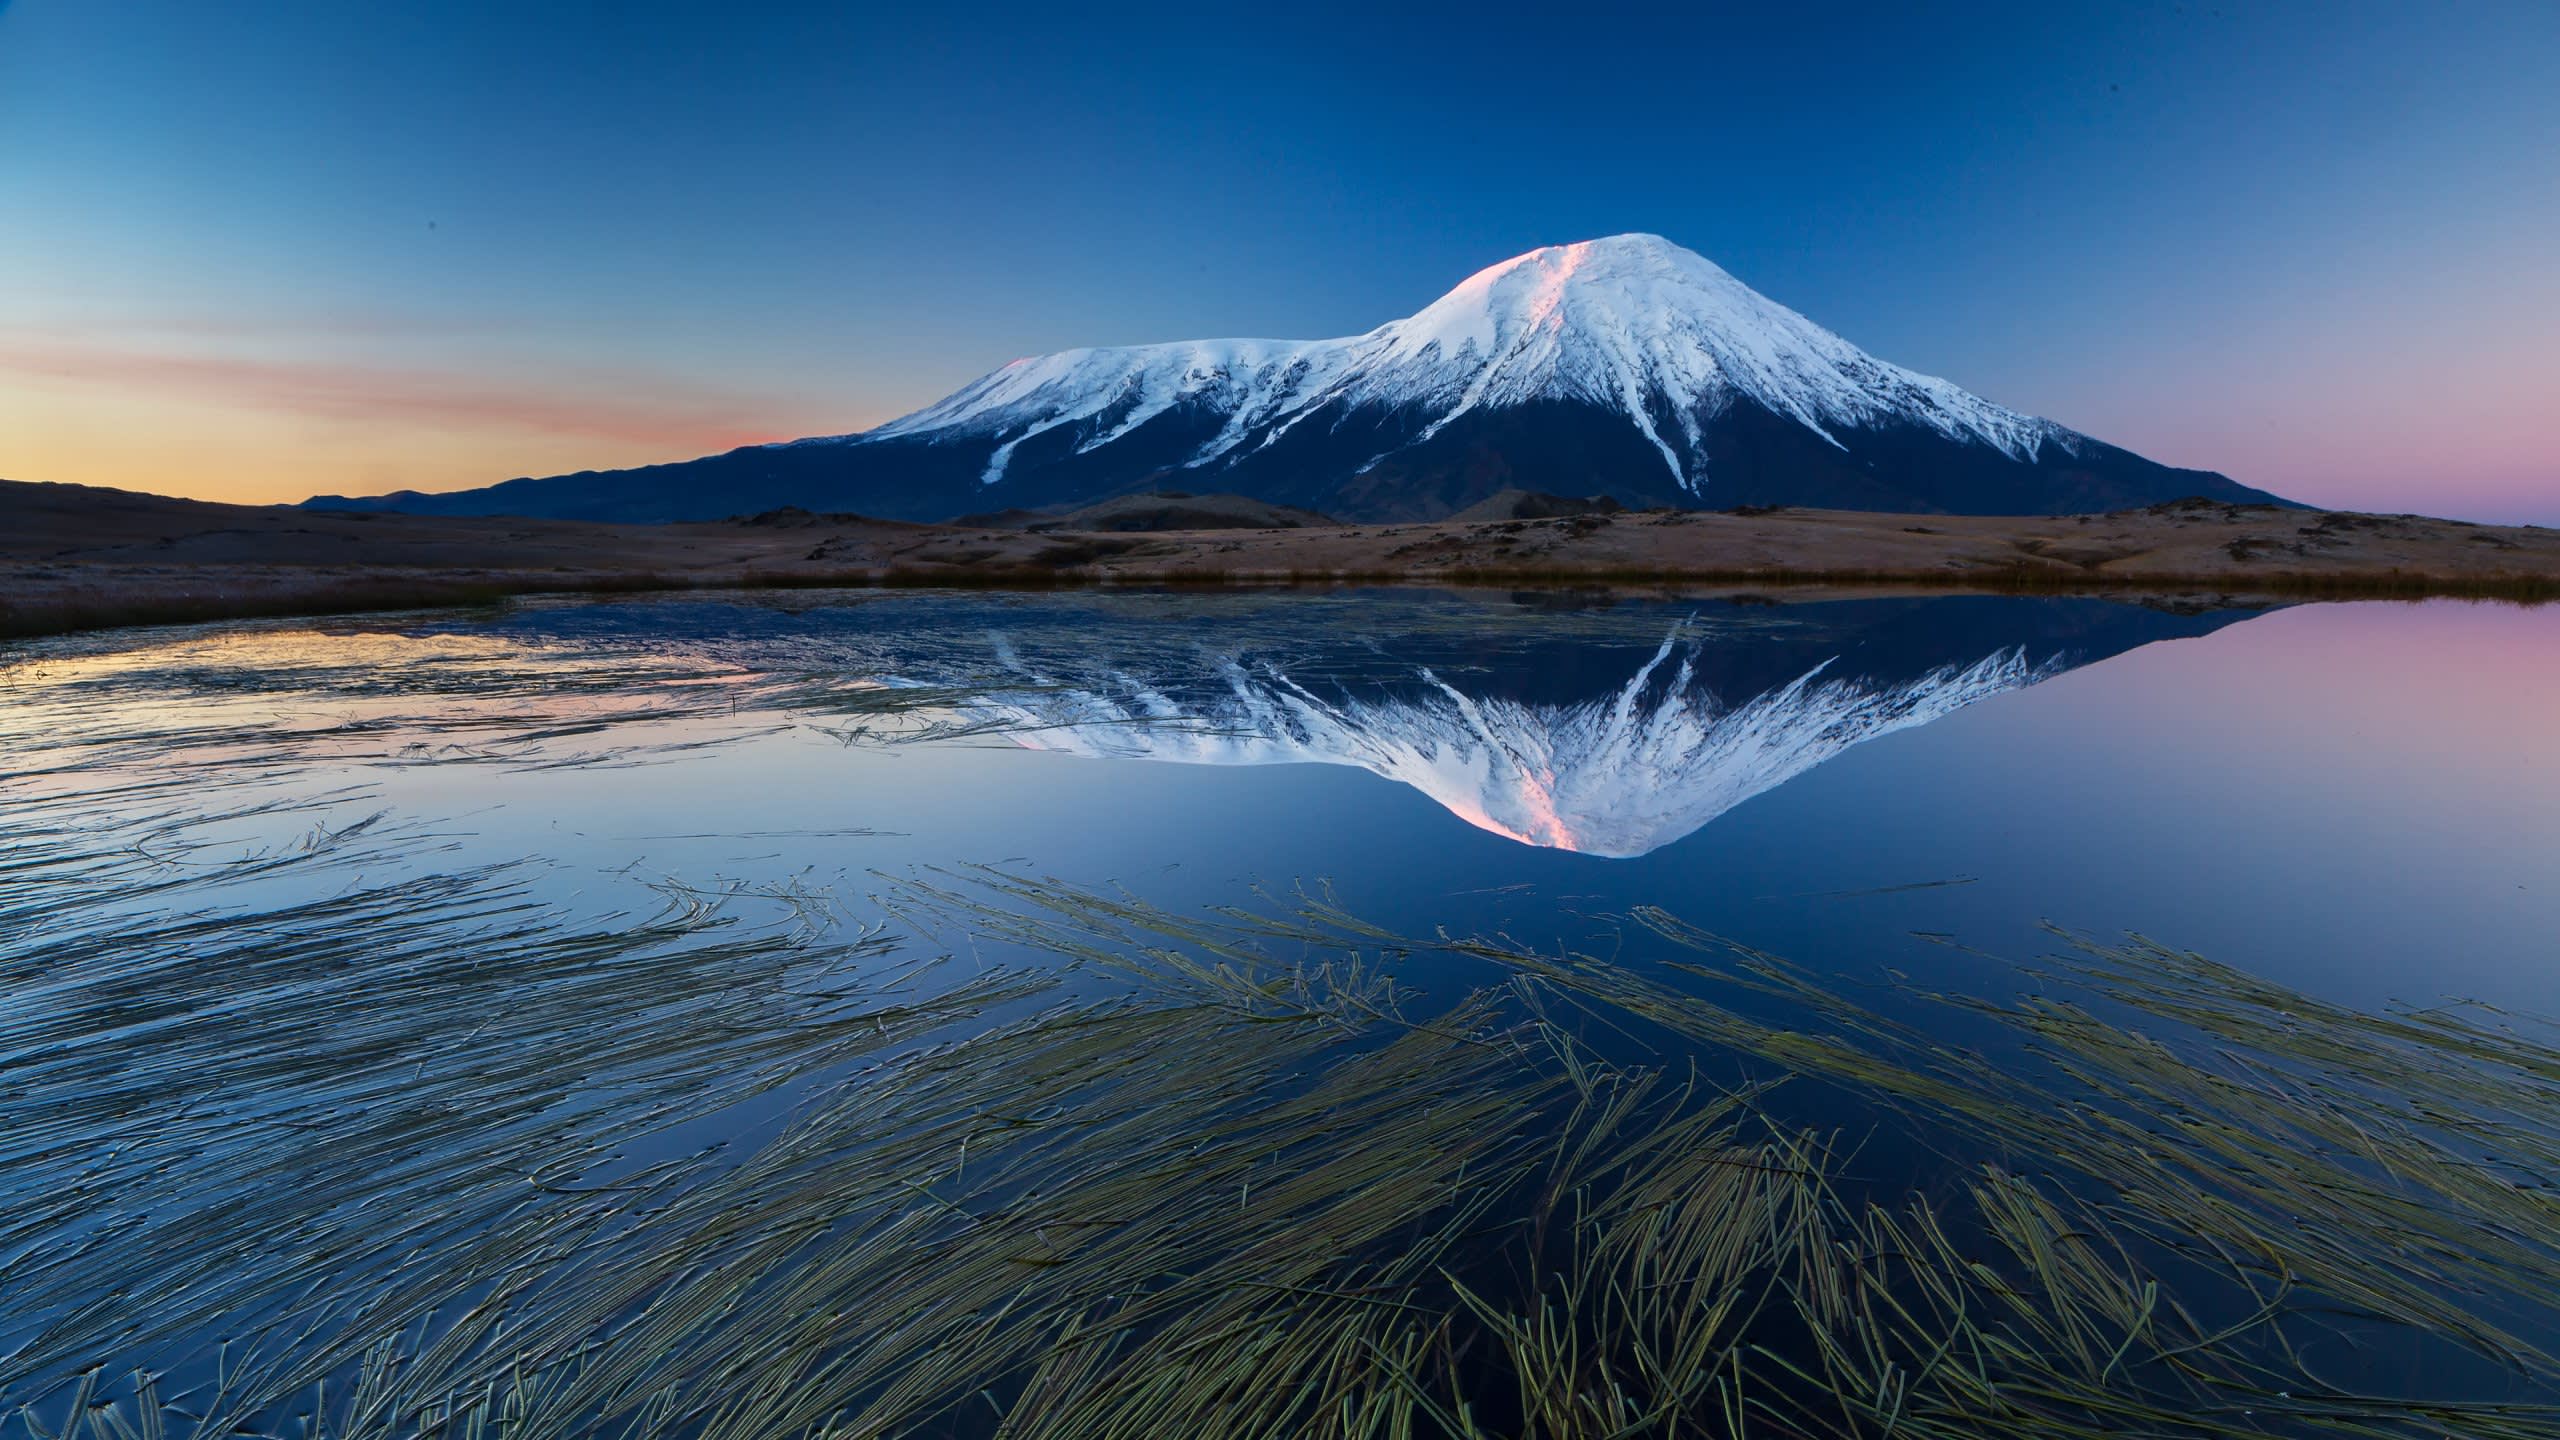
(73, 560)
(75, 610)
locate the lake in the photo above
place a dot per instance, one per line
(1322, 1013)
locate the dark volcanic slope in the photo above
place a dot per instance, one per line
(1625, 367)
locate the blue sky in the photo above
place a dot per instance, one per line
(261, 249)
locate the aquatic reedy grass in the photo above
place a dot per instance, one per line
(2079, 1308)
(333, 1146)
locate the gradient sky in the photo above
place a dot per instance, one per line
(263, 249)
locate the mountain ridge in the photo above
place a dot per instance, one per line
(1626, 366)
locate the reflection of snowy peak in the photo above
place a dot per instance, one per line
(1612, 726)
(1618, 776)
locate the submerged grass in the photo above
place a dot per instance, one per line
(307, 1136)
(425, 1158)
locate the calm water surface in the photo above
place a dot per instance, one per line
(213, 834)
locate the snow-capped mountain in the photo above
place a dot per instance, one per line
(1627, 366)
(1635, 326)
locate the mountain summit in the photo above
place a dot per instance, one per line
(1626, 366)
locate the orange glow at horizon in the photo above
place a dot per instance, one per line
(261, 431)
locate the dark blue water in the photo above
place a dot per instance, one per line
(2360, 803)
(2360, 800)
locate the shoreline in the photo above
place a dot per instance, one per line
(74, 560)
(91, 609)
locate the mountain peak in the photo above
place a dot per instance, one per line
(1626, 365)
(1636, 323)
(1634, 248)
(1537, 283)
(1634, 271)
(1630, 324)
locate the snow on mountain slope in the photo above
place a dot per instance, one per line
(1131, 385)
(1632, 324)
(1618, 776)
(1625, 367)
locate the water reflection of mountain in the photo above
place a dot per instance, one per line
(1584, 746)
(1612, 729)
(1620, 774)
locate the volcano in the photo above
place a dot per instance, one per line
(1627, 367)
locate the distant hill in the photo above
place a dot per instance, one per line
(1177, 511)
(1530, 505)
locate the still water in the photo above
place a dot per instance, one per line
(581, 1017)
